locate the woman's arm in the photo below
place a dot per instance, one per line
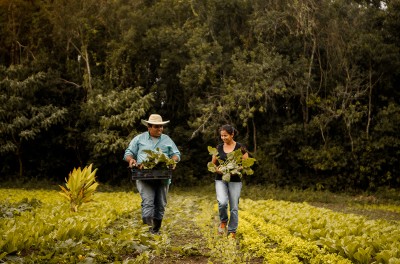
(214, 159)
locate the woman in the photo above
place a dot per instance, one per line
(228, 191)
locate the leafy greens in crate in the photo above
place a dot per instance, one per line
(157, 160)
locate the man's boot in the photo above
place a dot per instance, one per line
(156, 225)
(148, 221)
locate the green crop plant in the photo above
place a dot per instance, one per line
(234, 164)
(110, 230)
(157, 160)
(80, 187)
(53, 235)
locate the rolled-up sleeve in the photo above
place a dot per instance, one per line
(174, 151)
(169, 147)
(132, 149)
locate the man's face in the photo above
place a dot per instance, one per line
(156, 130)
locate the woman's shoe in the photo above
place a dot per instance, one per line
(221, 228)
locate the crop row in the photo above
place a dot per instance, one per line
(284, 232)
(277, 245)
(38, 226)
(257, 240)
(349, 236)
(52, 222)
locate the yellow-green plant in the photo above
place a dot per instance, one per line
(234, 164)
(80, 187)
(157, 160)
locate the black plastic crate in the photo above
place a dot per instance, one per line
(151, 174)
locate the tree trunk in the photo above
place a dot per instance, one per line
(307, 92)
(369, 102)
(21, 165)
(254, 136)
(88, 79)
(87, 83)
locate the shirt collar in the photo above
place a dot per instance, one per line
(150, 137)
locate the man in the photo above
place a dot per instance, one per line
(152, 192)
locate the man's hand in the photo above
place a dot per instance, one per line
(173, 166)
(132, 163)
(176, 159)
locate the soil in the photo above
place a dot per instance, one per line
(193, 245)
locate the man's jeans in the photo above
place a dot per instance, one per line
(228, 192)
(154, 197)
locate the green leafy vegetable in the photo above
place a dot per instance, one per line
(157, 160)
(234, 164)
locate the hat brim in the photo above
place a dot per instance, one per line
(146, 123)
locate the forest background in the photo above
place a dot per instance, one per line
(312, 86)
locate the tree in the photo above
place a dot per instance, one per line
(111, 121)
(257, 79)
(22, 116)
(75, 26)
(17, 22)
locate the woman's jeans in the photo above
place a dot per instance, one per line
(228, 192)
(154, 197)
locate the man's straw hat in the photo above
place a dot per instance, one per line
(154, 119)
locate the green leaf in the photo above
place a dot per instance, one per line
(211, 167)
(80, 186)
(248, 162)
(212, 151)
(234, 164)
(157, 159)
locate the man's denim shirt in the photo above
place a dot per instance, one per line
(145, 142)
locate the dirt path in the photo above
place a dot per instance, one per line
(186, 241)
(190, 231)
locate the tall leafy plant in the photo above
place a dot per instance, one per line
(80, 187)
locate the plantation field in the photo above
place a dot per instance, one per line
(36, 226)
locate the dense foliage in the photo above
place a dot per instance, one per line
(311, 85)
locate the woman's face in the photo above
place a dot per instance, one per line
(226, 137)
